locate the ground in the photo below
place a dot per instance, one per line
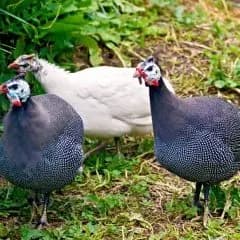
(132, 197)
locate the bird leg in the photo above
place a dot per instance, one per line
(206, 188)
(227, 204)
(196, 199)
(43, 220)
(90, 152)
(101, 146)
(117, 145)
(35, 203)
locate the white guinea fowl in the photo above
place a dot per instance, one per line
(108, 99)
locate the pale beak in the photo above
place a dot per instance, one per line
(138, 75)
(3, 89)
(13, 65)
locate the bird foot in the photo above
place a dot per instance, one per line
(43, 221)
(227, 206)
(42, 224)
(205, 217)
(31, 218)
(35, 209)
(205, 221)
(198, 204)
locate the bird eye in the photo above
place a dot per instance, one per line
(13, 87)
(150, 68)
(24, 65)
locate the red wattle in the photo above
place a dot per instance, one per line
(16, 103)
(155, 83)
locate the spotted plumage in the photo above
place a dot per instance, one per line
(203, 147)
(196, 138)
(41, 147)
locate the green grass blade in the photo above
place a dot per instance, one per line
(14, 16)
(4, 12)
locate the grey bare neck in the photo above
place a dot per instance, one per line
(166, 108)
(24, 124)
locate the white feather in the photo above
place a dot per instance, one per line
(110, 101)
(168, 85)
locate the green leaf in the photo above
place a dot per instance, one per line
(20, 46)
(91, 227)
(128, 7)
(30, 234)
(109, 36)
(220, 84)
(55, 18)
(124, 60)
(93, 48)
(179, 13)
(3, 231)
(4, 12)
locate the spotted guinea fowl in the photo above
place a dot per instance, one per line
(109, 101)
(196, 138)
(41, 147)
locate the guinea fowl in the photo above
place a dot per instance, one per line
(109, 101)
(41, 147)
(196, 138)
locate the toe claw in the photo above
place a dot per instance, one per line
(41, 225)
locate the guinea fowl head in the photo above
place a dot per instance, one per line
(26, 63)
(149, 71)
(17, 90)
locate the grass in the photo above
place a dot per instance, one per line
(133, 197)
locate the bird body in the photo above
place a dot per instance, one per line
(196, 138)
(41, 147)
(193, 137)
(110, 102)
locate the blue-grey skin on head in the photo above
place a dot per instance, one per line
(149, 71)
(17, 91)
(42, 141)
